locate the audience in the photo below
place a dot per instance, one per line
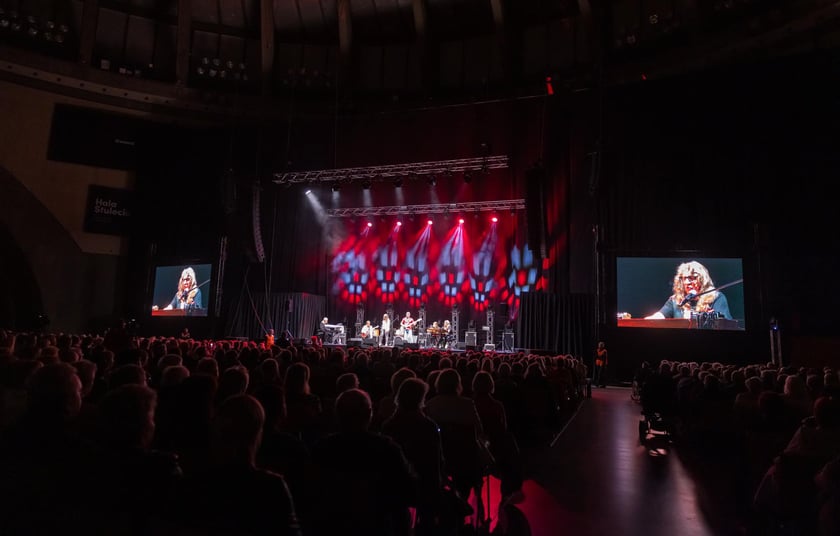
(131, 435)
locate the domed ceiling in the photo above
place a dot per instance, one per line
(390, 50)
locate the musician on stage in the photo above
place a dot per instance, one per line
(446, 333)
(367, 330)
(434, 331)
(407, 325)
(385, 330)
(321, 332)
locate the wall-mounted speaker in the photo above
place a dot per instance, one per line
(535, 179)
(255, 223)
(95, 137)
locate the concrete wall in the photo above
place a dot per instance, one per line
(42, 206)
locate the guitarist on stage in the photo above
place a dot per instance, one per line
(407, 325)
(367, 330)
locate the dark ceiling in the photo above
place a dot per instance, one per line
(399, 49)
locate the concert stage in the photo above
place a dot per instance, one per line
(458, 349)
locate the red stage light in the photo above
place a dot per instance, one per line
(429, 222)
(461, 220)
(494, 219)
(399, 223)
(369, 224)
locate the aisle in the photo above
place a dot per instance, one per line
(597, 479)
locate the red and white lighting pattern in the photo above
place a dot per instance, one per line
(417, 267)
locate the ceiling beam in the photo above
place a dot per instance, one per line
(183, 43)
(266, 44)
(800, 33)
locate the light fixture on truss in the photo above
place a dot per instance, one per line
(426, 170)
(439, 208)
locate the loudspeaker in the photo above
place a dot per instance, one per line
(470, 338)
(399, 342)
(489, 347)
(368, 341)
(460, 346)
(412, 345)
(535, 179)
(354, 342)
(256, 227)
(109, 140)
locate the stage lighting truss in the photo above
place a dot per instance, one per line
(417, 170)
(442, 208)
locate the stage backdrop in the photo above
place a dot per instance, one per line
(254, 314)
(557, 323)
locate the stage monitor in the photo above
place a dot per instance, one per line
(680, 292)
(182, 290)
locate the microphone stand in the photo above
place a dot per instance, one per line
(694, 297)
(186, 292)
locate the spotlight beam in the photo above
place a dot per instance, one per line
(438, 208)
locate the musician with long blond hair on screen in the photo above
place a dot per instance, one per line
(188, 295)
(693, 292)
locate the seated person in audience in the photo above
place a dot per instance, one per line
(363, 483)
(828, 486)
(387, 404)
(819, 436)
(304, 413)
(503, 445)
(419, 438)
(346, 381)
(48, 475)
(234, 496)
(140, 481)
(462, 433)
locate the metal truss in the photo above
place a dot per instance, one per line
(393, 172)
(442, 208)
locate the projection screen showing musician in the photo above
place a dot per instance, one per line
(671, 292)
(182, 290)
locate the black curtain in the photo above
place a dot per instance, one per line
(556, 323)
(298, 312)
